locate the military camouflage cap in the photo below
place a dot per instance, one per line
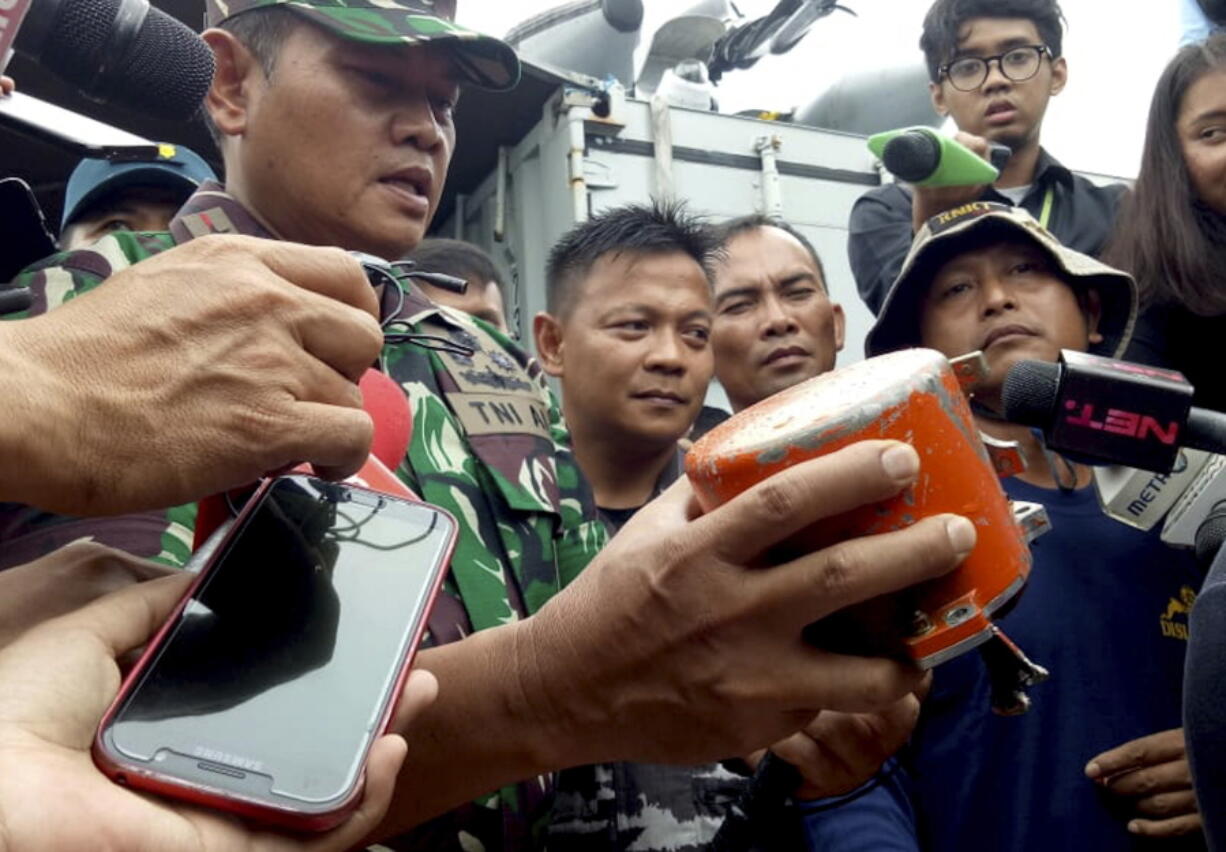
(482, 60)
(979, 225)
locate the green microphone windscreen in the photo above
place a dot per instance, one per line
(921, 156)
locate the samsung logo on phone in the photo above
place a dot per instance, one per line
(228, 759)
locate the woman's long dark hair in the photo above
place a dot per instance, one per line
(1174, 245)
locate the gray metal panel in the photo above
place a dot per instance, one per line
(539, 209)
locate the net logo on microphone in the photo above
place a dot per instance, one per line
(1118, 421)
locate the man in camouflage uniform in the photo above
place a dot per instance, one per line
(487, 444)
(655, 652)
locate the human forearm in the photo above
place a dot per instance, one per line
(480, 734)
(878, 239)
(655, 652)
(35, 419)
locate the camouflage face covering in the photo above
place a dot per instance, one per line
(481, 60)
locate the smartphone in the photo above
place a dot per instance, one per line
(264, 690)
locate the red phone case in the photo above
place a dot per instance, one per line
(373, 476)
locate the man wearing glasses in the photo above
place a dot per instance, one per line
(994, 64)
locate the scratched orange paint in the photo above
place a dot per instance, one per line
(910, 396)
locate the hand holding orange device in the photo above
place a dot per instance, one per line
(913, 396)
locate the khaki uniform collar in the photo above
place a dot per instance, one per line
(211, 210)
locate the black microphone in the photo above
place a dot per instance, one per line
(1210, 536)
(122, 52)
(1107, 411)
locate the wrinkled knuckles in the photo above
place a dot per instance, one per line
(267, 364)
(834, 580)
(1166, 805)
(259, 425)
(775, 500)
(213, 249)
(264, 298)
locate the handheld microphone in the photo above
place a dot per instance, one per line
(1194, 520)
(122, 52)
(1138, 418)
(921, 156)
(1111, 411)
(1192, 499)
(1142, 498)
(388, 407)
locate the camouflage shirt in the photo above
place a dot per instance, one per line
(488, 445)
(650, 807)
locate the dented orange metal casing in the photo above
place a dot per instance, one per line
(912, 396)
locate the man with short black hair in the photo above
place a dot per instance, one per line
(335, 122)
(482, 297)
(994, 65)
(775, 324)
(627, 334)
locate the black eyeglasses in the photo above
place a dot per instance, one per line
(1017, 64)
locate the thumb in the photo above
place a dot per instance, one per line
(382, 767)
(126, 619)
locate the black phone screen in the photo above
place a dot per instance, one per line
(275, 676)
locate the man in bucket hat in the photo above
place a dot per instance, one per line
(1098, 762)
(1106, 297)
(335, 124)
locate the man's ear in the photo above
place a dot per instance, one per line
(1092, 307)
(840, 326)
(938, 99)
(547, 334)
(1059, 75)
(235, 74)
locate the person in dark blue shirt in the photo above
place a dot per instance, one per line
(1098, 762)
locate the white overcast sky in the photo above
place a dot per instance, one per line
(1115, 53)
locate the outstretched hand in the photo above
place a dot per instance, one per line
(1153, 772)
(57, 680)
(837, 752)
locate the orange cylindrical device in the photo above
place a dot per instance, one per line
(912, 396)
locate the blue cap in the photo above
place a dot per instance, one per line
(176, 168)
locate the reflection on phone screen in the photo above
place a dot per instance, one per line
(281, 663)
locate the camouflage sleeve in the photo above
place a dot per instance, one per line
(582, 532)
(64, 276)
